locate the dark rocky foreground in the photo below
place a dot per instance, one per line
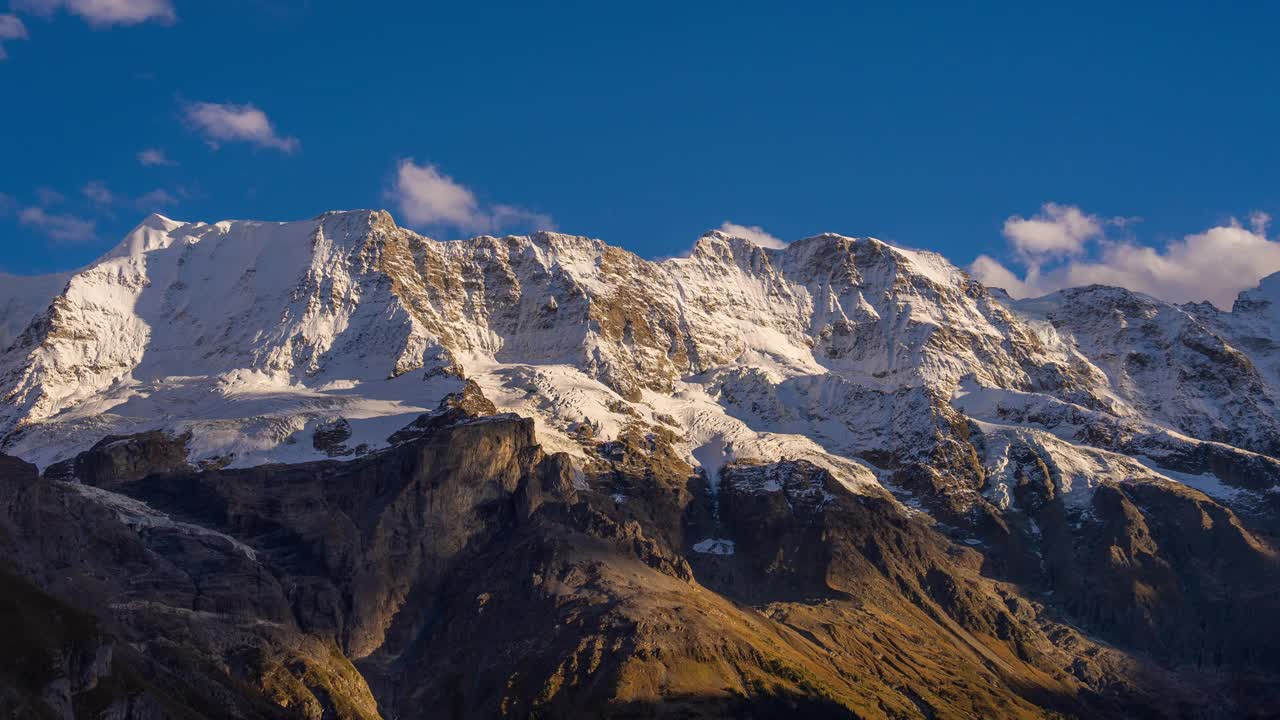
(465, 573)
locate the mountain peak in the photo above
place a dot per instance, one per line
(156, 221)
(1266, 294)
(154, 232)
(315, 314)
(716, 242)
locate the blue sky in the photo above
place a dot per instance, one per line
(926, 124)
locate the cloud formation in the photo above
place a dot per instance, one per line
(1056, 230)
(754, 233)
(1213, 265)
(58, 227)
(98, 192)
(102, 203)
(427, 197)
(104, 13)
(11, 28)
(158, 198)
(49, 196)
(220, 123)
(154, 157)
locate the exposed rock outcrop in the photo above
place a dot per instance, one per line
(464, 570)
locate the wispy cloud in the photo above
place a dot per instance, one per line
(49, 196)
(222, 123)
(100, 203)
(754, 233)
(154, 157)
(61, 227)
(98, 192)
(11, 28)
(1213, 265)
(103, 197)
(158, 198)
(104, 13)
(427, 197)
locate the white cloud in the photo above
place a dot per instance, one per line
(1213, 265)
(102, 196)
(1055, 231)
(104, 13)
(58, 227)
(990, 272)
(425, 196)
(754, 233)
(49, 196)
(428, 197)
(509, 216)
(152, 157)
(98, 192)
(232, 123)
(11, 28)
(158, 198)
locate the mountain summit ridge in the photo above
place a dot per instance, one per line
(312, 310)
(838, 476)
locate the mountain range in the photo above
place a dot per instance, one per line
(333, 468)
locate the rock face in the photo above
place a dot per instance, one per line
(336, 469)
(465, 570)
(140, 615)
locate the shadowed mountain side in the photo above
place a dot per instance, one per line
(463, 572)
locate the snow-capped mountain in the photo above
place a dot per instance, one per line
(848, 352)
(359, 472)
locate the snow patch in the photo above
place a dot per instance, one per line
(140, 516)
(714, 546)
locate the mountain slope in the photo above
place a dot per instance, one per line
(463, 573)
(319, 307)
(817, 448)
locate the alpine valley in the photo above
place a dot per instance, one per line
(335, 469)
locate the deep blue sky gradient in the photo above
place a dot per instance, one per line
(645, 124)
